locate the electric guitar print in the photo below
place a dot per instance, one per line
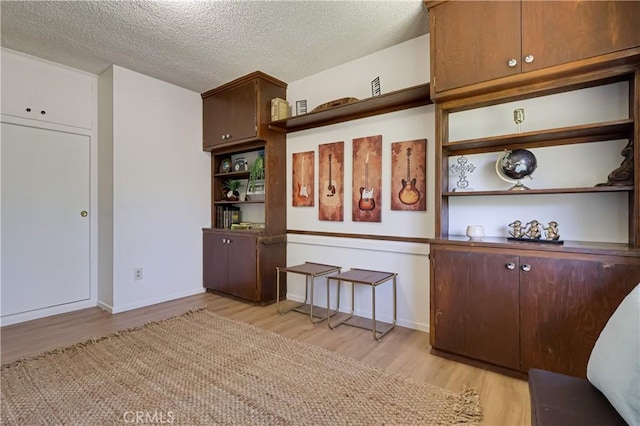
(330, 199)
(409, 194)
(303, 191)
(366, 203)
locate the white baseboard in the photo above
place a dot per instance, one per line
(46, 312)
(149, 302)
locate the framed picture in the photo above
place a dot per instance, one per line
(301, 107)
(302, 166)
(408, 175)
(331, 182)
(225, 165)
(367, 180)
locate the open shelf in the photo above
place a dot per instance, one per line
(593, 132)
(395, 101)
(592, 189)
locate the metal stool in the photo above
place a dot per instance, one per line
(372, 279)
(310, 271)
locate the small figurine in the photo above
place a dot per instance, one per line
(552, 232)
(533, 230)
(517, 229)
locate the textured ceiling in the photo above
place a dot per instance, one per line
(203, 44)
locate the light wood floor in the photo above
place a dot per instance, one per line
(504, 400)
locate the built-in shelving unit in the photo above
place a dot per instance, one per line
(394, 101)
(592, 132)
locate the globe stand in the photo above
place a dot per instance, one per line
(519, 187)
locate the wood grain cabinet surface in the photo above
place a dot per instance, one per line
(475, 42)
(514, 310)
(239, 110)
(242, 263)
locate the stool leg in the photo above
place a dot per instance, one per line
(373, 310)
(278, 290)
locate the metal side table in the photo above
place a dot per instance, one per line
(310, 271)
(372, 279)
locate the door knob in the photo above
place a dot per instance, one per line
(512, 62)
(528, 59)
(510, 266)
(526, 267)
(83, 213)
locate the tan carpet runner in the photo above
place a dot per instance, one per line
(200, 368)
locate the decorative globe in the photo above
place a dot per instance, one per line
(512, 166)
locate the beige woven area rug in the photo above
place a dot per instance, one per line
(200, 368)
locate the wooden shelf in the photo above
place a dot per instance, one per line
(395, 101)
(587, 247)
(542, 191)
(594, 132)
(238, 202)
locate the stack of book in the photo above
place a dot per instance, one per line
(227, 216)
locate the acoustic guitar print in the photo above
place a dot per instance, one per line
(330, 199)
(366, 203)
(409, 194)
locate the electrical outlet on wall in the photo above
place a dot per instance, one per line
(137, 274)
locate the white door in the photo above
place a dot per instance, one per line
(45, 218)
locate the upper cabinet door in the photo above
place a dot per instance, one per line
(473, 42)
(559, 32)
(41, 91)
(230, 116)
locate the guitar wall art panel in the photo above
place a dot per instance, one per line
(408, 175)
(367, 180)
(303, 170)
(331, 185)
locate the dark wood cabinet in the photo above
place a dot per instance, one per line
(240, 110)
(475, 42)
(476, 312)
(242, 262)
(230, 264)
(565, 304)
(513, 310)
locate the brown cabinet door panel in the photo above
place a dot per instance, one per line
(214, 262)
(232, 113)
(474, 41)
(564, 306)
(242, 266)
(559, 32)
(476, 303)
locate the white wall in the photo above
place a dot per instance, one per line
(161, 191)
(398, 67)
(571, 166)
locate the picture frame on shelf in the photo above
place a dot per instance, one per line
(301, 107)
(225, 165)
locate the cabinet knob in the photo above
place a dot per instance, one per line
(222, 137)
(528, 59)
(512, 62)
(43, 112)
(28, 109)
(228, 135)
(510, 266)
(526, 267)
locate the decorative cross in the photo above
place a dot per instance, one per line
(462, 168)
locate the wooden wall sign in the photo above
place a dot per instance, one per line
(331, 185)
(367, 181)
(409, 175)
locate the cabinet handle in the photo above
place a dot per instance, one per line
(222, 137)
(228, 136)
(526, 267)
(512, 62)
(43, 112)
(510, 266)
(528, 59)
(28, 109)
